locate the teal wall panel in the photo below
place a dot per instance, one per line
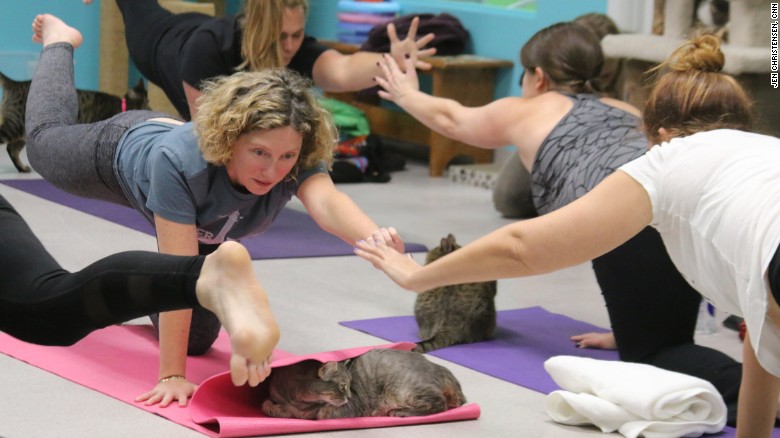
(495, 32)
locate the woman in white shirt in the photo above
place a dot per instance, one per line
(710, 189)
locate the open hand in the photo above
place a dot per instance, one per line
(166, 392)
(398, 266)
(409, 47)
(388, 236)
(396, 84)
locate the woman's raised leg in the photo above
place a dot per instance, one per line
(42, 303)
(77, 158)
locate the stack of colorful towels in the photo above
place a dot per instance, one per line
(358, 17)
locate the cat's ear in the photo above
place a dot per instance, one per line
(140, 86)
(448, 244)
(327, 369)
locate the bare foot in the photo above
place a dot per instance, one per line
(228, 287)
(48, 29)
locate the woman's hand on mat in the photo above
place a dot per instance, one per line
(388, 236)
(398, 266)
(397, 84)
(166, 392)
(599, 341)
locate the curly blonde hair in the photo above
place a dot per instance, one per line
(273, 98)
(261, 24)
(693, 95)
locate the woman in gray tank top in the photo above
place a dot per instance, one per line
(570, 139)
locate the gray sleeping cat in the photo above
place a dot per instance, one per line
(300, 390)
(378, 383)
(456, 314)
(93, 106)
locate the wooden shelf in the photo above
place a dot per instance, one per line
(467, 79)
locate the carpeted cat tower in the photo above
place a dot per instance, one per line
(114, 62)
(747, 52)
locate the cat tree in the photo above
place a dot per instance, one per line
(747, 52)
(114, 59)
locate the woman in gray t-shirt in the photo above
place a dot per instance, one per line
(259, 138)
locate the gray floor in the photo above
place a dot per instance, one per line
(309, 298)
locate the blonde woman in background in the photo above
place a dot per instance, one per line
(179, 52)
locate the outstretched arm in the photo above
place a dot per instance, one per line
(607, 216)
(336, 72)
(338, 214)
(491, 126)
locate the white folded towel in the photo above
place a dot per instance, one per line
(634, 399)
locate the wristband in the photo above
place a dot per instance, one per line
(169, 378)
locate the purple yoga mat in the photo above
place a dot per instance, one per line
(293, 234)
(525, 338)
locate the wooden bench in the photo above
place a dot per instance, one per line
(468, 79)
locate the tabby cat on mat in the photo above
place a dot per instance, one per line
(378, 383)
(457, 314)
(93, 106)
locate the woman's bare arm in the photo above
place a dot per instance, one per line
(607, 216)
(338, 214)
(177, 239)
(192, 94)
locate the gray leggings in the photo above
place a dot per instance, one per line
(79, 158)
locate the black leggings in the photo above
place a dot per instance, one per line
(653, 312)
(44, 304)
(774, 275)
(155, 39)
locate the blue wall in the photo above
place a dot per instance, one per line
(495, 32)
(16, 35)
(17, 46)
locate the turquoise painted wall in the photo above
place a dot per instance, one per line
(17, 49)
(16, 36)
(495, 32)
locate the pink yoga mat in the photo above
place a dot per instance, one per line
(235, 411)
(122, 362)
